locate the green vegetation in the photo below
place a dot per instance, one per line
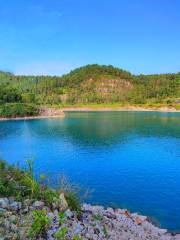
(39, 225)
(73, 201)
(18, 110)
(61, 233)
(91, 84)
(21, 184)
(17, 183)
(98, 217)
(62, 217)
(77, 237)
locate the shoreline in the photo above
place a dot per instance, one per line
(92, 109)
(31, 118)
(126, 108)
(96, 222)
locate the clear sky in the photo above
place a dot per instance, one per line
(55, 36)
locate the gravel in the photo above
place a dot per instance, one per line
(95, 223)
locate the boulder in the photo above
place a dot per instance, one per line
(2, 211)
(140, 219)
(63, 203)
(68, 213)
(13, 219)
(38, 204)
(15, 206)
(126, 213)
(4, 203)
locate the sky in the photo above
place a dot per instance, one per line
(55, 36)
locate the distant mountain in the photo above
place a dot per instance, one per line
(106, 84)
(93, 84)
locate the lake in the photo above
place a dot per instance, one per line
(129, 159)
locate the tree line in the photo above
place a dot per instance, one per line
(89, 84)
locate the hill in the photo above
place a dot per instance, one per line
(90, 84)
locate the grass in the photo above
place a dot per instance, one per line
(21, 184)
(97, 217)
(40, 224)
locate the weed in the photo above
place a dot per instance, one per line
(77, 237)
(39, 225)
(105, 231)
(61, 233)
(98, 217)
(49, 196)
(62, 217)
(73, 202)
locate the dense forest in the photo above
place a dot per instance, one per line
(89, 84)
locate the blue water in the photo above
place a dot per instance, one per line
(129, 159)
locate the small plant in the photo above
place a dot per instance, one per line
(49, 196)
(39, 225)
(30, 167)
(61, 233)
(62, 217)
(42, 179)
(98, 217)
(105, 231)
(77, 237)
(73, 202)
(71, 193)
(32, 187)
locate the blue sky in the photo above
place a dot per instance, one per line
(55, 36)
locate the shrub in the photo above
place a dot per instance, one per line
(49, 196)
(22, 184)
(73, 202)
(71, 194)
(77, 237)
(61, 233)
(40, 224)
(17, 183)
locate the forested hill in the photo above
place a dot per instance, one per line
(90, 84)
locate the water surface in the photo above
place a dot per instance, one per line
(129, 159)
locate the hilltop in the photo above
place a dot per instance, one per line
(91, 84)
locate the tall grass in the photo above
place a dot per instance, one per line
(21, 184)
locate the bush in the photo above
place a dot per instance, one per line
(17, 183)
(40, 224)
(61, 233)
(21, 184)
(71, 193)
(50, 196)
(73, 202)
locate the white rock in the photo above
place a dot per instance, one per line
(63, 202)
(15, 206)
(4, 203)
(38, 204)
(12, 219)
(69, 213)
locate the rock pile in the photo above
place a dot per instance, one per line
(94, 223)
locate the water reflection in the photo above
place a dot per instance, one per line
(128, 158)
(104, 128)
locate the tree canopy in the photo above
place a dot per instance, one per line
(89, 84)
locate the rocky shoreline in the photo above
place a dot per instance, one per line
(94, 223)
(60, 113)
(122, 108)
(43, 113)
